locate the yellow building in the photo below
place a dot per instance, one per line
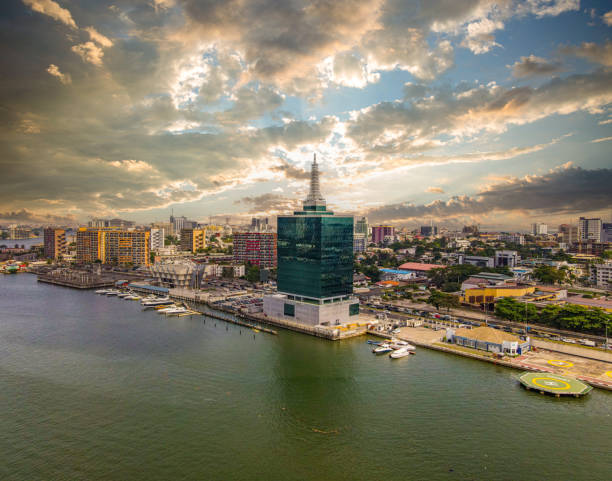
(113, 246)
(489, 294)
(193, 239)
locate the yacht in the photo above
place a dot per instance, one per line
(132, 297)
(124, 294)
(160, 301)
(101, 291)
(383, 348)
(174, 310)
(399, 353)
(112, 292)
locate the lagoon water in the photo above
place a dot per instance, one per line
(94, 388)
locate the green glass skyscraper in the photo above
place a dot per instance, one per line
(315, 262)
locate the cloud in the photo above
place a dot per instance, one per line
(532, 65)
(89, 52)
(437, 190)
(396, 128)
(27, 216)
(607, 18)
(604, 139)
(270, 203)
(601, 54)
(55, 71)
(53, 10)
(568, 190)
(290, 171)
(98, 37)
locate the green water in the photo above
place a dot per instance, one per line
(92, 388)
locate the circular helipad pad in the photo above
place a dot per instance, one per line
(545, 382)
(558, 363)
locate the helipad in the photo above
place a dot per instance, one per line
(545, 382)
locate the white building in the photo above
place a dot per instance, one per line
(157, 239)
(360, 242)
(601, 275)
(589, 229)
(506, 258)
(539, 229)
(513, 238)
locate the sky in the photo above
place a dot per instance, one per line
(447, 111)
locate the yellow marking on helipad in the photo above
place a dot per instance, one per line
(551, 381)
(608, 373)
(558, 363)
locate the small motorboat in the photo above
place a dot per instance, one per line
(101, 291)
(382, 349)
(399, 353)
(375, 343)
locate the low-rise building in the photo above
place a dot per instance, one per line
(506, 258)
(601, 275)
(488, 339)
(479, 261)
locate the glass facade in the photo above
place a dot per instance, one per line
(315, 255)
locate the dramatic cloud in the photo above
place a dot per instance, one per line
(607, 18)
(532, 65)
(270, 203)
(98, 37)
(290, 171)
(435, 190)
(405, 127)
(52, 9)
(55, 71)
(570, 190)
(26, 216)
(89, 52)
(601, 54)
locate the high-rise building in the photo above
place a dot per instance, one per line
(589, 229)
(54, 242)
(157, 239)
(567, 234)
(513, 238)
(315, 264)
(97, 223)
(360, 242)
(539, 229)
(113, 246)
(361, 226)
(606, 232)
(255, 247)
(383, 234)
(193, 239)
(429, 230)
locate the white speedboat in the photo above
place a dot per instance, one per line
(101, 291)
(383, 348)
(113, 292)
(175, 310)
(399, 353)
(132, 297)
(155, 301)
(124, 294)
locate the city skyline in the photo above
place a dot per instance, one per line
(495, 113)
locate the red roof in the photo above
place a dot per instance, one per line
(419, 266)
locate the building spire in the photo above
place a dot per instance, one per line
(314, 199)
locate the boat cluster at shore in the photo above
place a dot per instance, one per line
(395, 347)
(163, 305)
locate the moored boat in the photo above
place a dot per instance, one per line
(382, 349)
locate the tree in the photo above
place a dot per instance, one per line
(440, 299)
(549, 274)
(372, 272)
(252, 272)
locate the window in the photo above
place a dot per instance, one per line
(289, 310)
(354, 309)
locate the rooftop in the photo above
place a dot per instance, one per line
(418, 266)
(487, 334)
